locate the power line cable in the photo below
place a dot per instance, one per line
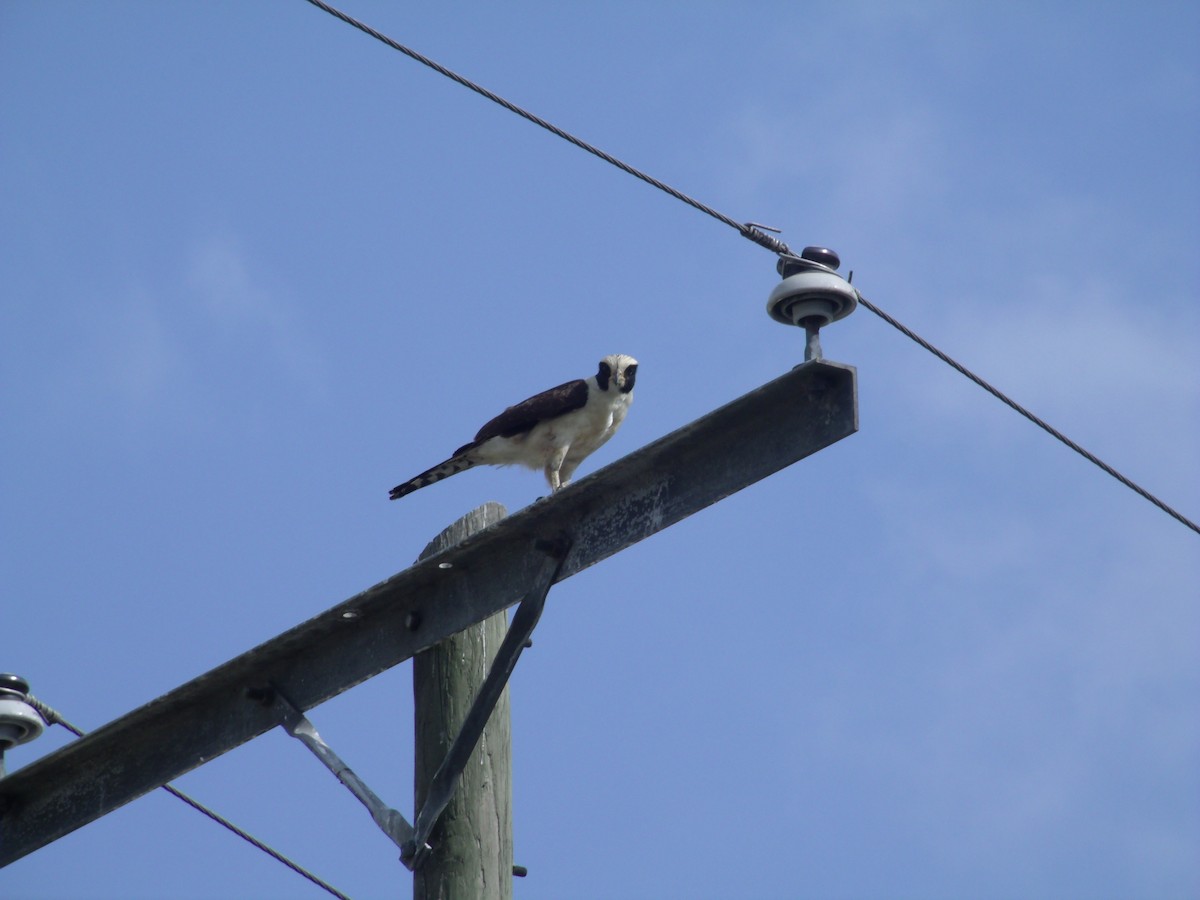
(752, 232)
(1008, 401)
(748, 230)
(53, 717)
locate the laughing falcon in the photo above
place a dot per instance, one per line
(553, 431)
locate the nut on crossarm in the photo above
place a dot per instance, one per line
(20, 722)
(811, 294)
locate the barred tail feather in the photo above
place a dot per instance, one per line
(452, 466)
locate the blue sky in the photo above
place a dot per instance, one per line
(257, 268)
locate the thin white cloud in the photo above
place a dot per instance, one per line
(1108, 372)
(250, 312)
(174, 349)
(141, 354)
(878, 172)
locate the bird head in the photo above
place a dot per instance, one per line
(618, 370)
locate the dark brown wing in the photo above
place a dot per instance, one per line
(557, 401)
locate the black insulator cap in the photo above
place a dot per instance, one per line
(15, 684)
(822, 255)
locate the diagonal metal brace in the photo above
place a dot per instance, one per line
(445, 780)
(391, 821)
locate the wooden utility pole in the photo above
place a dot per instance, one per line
(472, 855)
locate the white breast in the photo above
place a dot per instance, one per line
(580, 432)
(595, 423)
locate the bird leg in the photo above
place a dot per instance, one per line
(553, 467)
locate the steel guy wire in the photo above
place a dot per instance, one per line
(53, 717)
(751, 231)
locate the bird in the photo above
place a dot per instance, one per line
(553, 431)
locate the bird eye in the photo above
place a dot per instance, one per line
(603, 376)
